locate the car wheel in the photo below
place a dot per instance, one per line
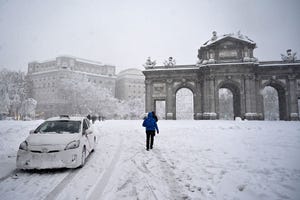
(83, 157)
(95, 141)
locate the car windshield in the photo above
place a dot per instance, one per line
(60, 126)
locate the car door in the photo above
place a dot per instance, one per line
(89, 137)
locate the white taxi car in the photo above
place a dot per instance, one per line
(59, 142)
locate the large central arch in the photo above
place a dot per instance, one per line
(235, 90)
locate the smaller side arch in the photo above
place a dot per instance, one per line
(282, 99)
(274, 83)
(185, 85)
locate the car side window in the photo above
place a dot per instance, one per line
(85, 126)
(87, 122)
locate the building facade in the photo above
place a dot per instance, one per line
(226, 61)
(130, 84)
(45, 78)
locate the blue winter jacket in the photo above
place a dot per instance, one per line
(150, 123)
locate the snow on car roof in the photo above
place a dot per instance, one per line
(66, 117)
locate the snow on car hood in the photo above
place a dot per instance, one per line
(52, 139)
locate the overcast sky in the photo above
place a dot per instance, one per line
(125, 32)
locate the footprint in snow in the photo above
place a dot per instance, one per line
(241, 188)
(186, 197)
(15, 176)
(209, 190)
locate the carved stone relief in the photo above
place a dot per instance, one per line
(159, 90)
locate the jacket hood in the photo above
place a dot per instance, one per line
(150, 114)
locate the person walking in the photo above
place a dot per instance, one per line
(154, 116)
(150, 124)
(94, 117)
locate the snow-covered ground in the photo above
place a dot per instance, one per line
(190, 160)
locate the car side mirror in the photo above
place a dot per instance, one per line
(31, 132)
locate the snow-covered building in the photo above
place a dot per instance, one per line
(226, 62)
(130, 84)
(45, 78)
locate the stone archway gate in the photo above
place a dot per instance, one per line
(226, 62)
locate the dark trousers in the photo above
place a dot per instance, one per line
(149, 139)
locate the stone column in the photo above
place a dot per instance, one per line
(209, 104)
(250, 98)
(149, 104)
(206, 95)
(243, 95)
(170, 101)
(198, 113)
(292, 98)
(259, 100)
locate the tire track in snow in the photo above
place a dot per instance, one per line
(87, 178)
(160, 172)
(135, 176)
(102, 182)
(24, 183)
(150, 189)
(168, 175)
(56, 191)
(143, 172)
(11, 174)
